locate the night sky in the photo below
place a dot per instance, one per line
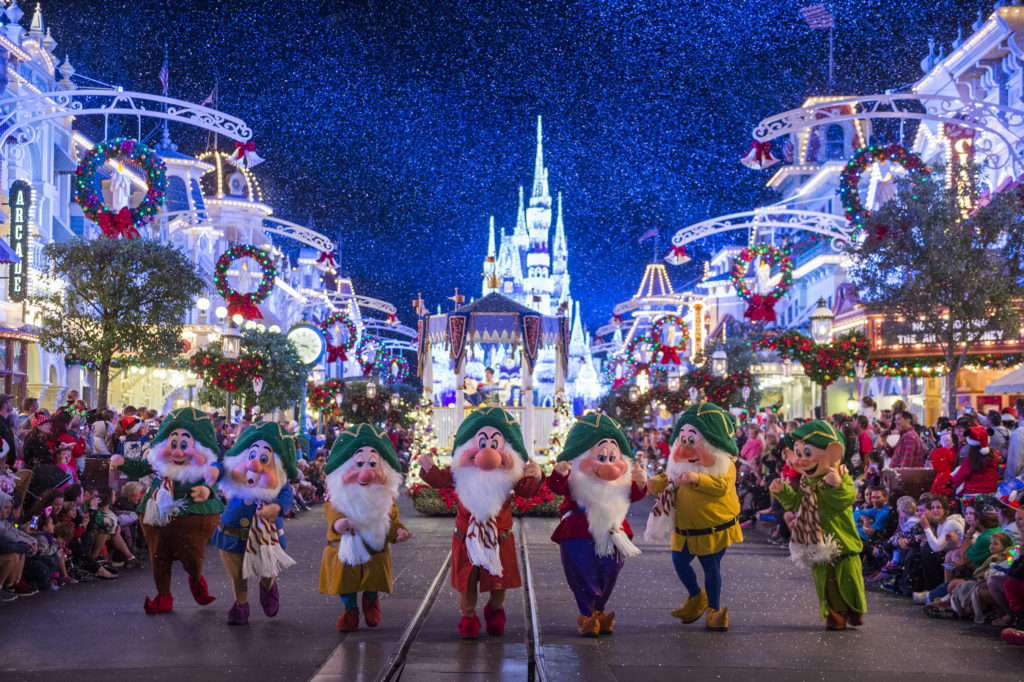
(398, 127)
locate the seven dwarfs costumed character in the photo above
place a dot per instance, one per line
(250, 537)
(489, 462)
(179, 511)
(824, 535)
(363, 475)
(697, 497)
(594, 537)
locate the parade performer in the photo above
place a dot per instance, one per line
(824, 535)
(697, 500)
(254, 476)
(363, 475)
(489, 462)
(594, 474)
(179, 511)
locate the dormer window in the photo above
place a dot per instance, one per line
(834, 142)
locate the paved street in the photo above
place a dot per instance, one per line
(98, 630)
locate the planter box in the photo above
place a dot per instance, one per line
(429, 502)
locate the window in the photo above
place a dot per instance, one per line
(834, 142)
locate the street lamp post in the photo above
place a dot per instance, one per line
(821, 331)
(719, 362)
(231, 346)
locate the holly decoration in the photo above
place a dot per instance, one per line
(862, 159)
(386, 367)
(339, 352)
(228, 375)
(762, 307)
(324, 397)
(244, 304)
(823, 363)
(670, 354)
(126, 222)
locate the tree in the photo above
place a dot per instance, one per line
(955, 273)
(124, 298)
(283, 375)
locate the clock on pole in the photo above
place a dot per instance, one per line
(310, 345)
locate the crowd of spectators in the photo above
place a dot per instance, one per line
(65, 520)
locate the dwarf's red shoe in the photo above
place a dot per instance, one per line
(371, 611)
(349, 621)
(469, 627)
(495, 620)
(164, 603)
(200, 592)
(854, 618)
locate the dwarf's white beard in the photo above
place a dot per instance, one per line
(484, 493)
(606, 504)
(721, 466)
(240, 491)
(368, 507)
(183, 473)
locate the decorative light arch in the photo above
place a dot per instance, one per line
(835, 227)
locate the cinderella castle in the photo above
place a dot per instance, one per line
(531, 268)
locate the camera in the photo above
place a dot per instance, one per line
(35, 523)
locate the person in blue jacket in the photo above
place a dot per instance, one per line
(254, 475)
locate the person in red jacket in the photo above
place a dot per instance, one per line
(942, 462)
(595, 476)
(489, 462)
(979, 473)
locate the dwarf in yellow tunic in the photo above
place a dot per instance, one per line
(698, 503)
(363, 475)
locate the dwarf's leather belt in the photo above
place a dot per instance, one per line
(501, 538)
(687, 532)
(241, 533)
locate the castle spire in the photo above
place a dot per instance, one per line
(521, 235)
(559, 248)
(540, 174)
(491, 250)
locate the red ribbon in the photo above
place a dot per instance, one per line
(669, 354)
(326, 257)
(678, 252)
(762, 153)
(243, 305)
(760, 308)
(242, 148)
(118, 225)
(336, 353)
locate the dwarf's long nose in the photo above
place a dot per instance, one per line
(366, 476)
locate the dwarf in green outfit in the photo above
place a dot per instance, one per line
(824, 535)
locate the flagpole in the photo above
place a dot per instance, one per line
(831, 62)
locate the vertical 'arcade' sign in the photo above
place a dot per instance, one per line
(21, 199)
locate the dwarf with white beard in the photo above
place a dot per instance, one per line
(594, 537)
(250, 537)
(363, 475)
(698, 502)
(179, 511)
(489, 463)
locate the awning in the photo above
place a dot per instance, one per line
(1012, 382)
(7, 254)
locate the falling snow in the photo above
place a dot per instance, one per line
(398, 127)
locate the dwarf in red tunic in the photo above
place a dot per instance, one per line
(489, 462)
(594, 474)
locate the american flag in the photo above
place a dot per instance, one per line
(818, 17)
(647, 235)
(164, 76)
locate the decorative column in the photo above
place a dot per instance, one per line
(527, 370)
(460, 397)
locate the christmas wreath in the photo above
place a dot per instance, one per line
(324, 397)
(229, 375)
(670, 354)
(862, 159)
(124, 223)
(339, 352)
(244, 304)
(386, 364)
(368, 354)
(762, 307)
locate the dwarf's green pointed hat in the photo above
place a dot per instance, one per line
(280, 442)
(496, 418)
(192, 420)
(819, 434)
(591, 429)
(357, 436)
(714, 423)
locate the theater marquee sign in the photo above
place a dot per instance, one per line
(909, 338)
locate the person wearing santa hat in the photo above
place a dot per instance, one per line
(132, 443)
(979, 472)
(180, 511)
(254, 477)
(599, 477)
(363, 475)
(489, 462)
(697, 500)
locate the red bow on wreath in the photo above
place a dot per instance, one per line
(327, 257)
(760, 308)
(118, 225)
(335, 353)
(243, 305)
(670, 355)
